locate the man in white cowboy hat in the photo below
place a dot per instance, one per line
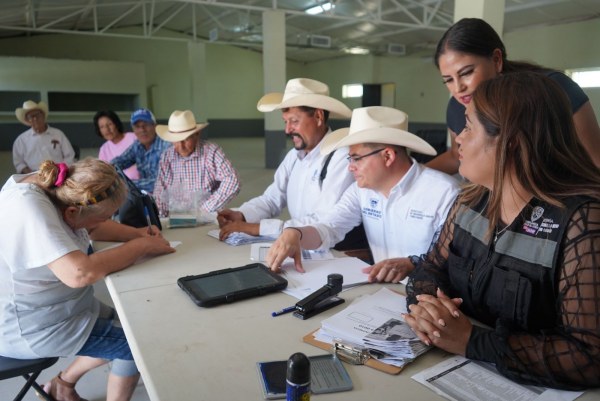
(401, 203)
(193, 165)
(306, 181)
(40, 142)
(145, 152)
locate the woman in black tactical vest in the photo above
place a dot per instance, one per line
(520, 250)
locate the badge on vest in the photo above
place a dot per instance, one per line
(547, 225)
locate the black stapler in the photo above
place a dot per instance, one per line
(322, 299)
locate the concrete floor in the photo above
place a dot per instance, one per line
(247, 156)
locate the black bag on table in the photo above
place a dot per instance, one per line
(131, 211)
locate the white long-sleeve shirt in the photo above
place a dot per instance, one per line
(297, 185)
(31, 149)
(399, 226)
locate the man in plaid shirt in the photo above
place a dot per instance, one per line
(145, 152)
(193, 165)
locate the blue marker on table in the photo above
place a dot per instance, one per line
(284, 311)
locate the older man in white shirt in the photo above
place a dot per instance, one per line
(40, 142)
(307, 182)
(401, 203)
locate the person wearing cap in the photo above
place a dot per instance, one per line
(195, 164)
(401, 203)
(306, 181)
(145, 152)
(40, 142)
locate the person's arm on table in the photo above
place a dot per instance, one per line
(389, 270)
(290, 243)
(239, 227)
(112, 231)
(76, 269)
(565, 356)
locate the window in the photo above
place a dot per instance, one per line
(11, 100)
(352, 90)
(586, 78)
(68, 101)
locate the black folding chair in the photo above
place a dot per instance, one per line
(30, 369)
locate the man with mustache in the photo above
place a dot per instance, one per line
(306, 182)
(401, 203)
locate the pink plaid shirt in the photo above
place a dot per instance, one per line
(206, 169)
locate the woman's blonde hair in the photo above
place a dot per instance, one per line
(91, 184)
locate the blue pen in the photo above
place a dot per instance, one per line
(147, 214)
(284, 311)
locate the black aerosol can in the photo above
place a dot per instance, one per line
(298, 378)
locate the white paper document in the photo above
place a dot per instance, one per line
(375, 322)
(258, 253)
(236, 239)
(300, 285)
(461, 379)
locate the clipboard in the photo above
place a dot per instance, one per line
(373, 363)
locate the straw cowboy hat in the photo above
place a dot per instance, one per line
(181, 125)
(304, 92)
(376, 124)
(28, 106)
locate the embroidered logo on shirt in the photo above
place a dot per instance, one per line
(372, 211)
(418, 214)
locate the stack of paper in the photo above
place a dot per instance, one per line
(375, 322)
(236, 239)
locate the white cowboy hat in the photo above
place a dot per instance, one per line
(181, 125)
(376, 124)
(304, 92)
(28, 106)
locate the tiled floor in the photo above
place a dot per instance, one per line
(247, 155)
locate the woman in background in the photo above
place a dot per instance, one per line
(471, 52)
(520, 251)
(109, 126)
(47, 300)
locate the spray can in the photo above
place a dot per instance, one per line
(298, 378)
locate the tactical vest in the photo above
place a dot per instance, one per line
(512, 277)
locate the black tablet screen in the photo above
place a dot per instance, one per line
(230, 285)
(226, 283)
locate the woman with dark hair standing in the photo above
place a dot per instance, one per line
(520, 250)
(471, 52)
(109, 126)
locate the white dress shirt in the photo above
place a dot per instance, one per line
(399, 226)
(297, 186)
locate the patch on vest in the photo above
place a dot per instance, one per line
(537, 212)
(546, 226)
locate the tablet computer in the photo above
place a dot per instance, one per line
(230, 285)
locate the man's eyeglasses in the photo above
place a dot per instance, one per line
(356, 159)
(32, 115)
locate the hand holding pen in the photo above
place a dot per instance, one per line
(149, 230)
